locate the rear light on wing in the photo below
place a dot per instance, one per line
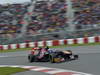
(32, 52)
(36, 52)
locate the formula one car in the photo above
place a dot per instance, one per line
(49, 55)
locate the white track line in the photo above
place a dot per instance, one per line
(56, 71)
(11, 55)
(41, 68)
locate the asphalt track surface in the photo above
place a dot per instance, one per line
(88, 62)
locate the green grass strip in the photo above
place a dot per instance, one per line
(72, 45)
(14, 50)
(61, 46)
(10, 70)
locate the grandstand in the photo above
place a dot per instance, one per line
(48, 20)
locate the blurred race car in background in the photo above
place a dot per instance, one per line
(50, 55)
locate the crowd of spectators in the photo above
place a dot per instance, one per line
(48, 16)
(87, 13)
(11, 16)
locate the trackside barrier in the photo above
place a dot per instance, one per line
(97, 39)
(84, 40)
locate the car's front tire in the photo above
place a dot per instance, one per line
(52, 59)
(76, 57)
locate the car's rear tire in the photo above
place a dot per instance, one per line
(31, 58)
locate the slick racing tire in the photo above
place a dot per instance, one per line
(76, 57)
(31, 58)
(55, 59)
(52, 59)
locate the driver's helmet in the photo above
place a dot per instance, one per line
(47, 48)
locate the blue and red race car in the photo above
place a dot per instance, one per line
(50, 55)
